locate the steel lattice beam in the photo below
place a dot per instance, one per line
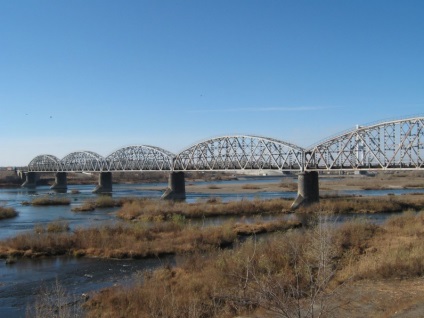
(46, 163)
(397, 144)
(388, 145)
(83, 161)
(240, 153)
(139, 158)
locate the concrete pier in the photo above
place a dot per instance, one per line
(60, 182)
(176, 187)
(307, 189)
(105, 183)
(30, 180)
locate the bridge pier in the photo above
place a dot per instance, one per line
(307, 189)
(30, 180)
(60, 184)
(176, 187)
(105, 183)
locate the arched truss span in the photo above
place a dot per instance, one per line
(395, 144)
(83, 161)
(134, 158)
(240, 153)
(44, 163)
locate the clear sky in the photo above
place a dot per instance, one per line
(99, 75)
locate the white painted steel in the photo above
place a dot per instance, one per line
(240, 153)
(390, 145)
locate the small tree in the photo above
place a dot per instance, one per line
(295, 283)
(54, 302)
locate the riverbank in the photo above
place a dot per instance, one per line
(355, 270)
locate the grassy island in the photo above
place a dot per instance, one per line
(100, 202)
(7, 212)
(47, 200)
(124, 240)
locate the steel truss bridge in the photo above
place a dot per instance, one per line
(390, 145)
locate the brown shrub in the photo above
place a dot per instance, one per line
(48, 201)
(273, 274)
(250, 187)
(103, 201)
(395, 251)
(7, 212)
(146, 209)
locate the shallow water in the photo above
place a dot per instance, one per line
(20, 282)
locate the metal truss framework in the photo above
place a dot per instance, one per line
(135, 158)
(240, 153)
(397, 144)
(45, 163)
(83, 161)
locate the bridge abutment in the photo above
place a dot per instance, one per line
(30, 180)
(105, 183)
(307, 189)
(60, 182)
(176, 187)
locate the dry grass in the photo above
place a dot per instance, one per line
(147, 209)
(103, 201)
(130, 240)
(52, 227)
(250, 187)
(292, 186)
(396, 252)
(249, 279)
(387, 204)
(264, 227)
(46, 200)
(7, 212)
(256, 278)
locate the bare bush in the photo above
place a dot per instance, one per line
(298, 284)
(54, 301)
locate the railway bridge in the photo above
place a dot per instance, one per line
(388, 145)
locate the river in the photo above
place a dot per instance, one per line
(19, 282)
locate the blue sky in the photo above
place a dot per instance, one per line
(100, 75)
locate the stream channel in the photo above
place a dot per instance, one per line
(20, 282)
